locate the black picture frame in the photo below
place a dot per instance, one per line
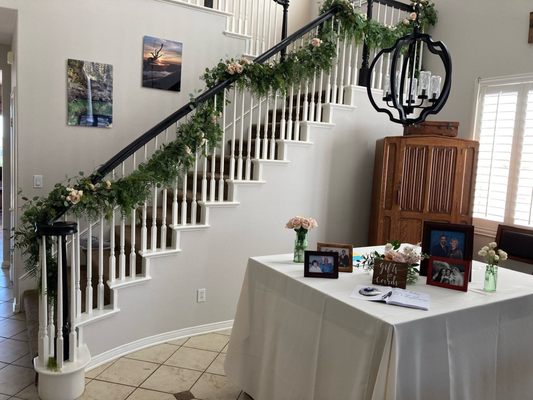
(449, 273)
(321, 260)
(462, 236)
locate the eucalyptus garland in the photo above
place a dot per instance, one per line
(83, 197)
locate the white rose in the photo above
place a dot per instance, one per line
(316, 42)
(493, 245)
(491, 253)
(503, 254)
(482, 252)
(406, 21)
(486, 248)
(388, 247)
(108, 184)
(496, 258)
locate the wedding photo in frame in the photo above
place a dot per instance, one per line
(443, 240)
(343, 250)
(321, 264)
(449, 273)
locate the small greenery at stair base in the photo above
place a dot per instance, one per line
(202, 130)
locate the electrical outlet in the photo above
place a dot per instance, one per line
(201, 295)
(37, 181)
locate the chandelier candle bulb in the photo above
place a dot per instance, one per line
(424, 81)
(435, 87)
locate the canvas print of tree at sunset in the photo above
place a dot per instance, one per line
(162, 64)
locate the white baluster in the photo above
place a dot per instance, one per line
(212, 181)
(241, 138)
(290, 111)
(43, 345)
(194, 190)
(153, 231)
(343, 68)
(222, 148)
(263, 28)
(122, 250)
(265, 128)
(319, 98)
(312, 102)
(334, 88)
(248, 168)
(204, 174)
(297, 117)
(78, 269)
(59, 305)
(72, 334)
(184, 200)
(133, 255)
(164, 219)
(175, 204)
(112, 259)
(89, 284)
(101, 265)
(233, 135)
(305, 110)
(272, 154)
(258, 132)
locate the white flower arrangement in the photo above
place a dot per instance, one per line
(492, 254)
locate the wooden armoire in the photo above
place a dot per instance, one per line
(420, 178)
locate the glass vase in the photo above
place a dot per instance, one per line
(300, 245)
(491, 278)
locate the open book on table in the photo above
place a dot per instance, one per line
(394, 296)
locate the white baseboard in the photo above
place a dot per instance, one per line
(156, 339)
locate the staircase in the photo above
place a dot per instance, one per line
(134, 277)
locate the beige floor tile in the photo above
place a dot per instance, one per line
(244, 396)
(13, 379)
(226, 332)
(6, 294)
(187, 357)
(24, 361)
(6, 309)
(93, 373)
(144, 394)
(28, 393)
(98, 390)
(128, 372)
(2, 365)
(11, 350)
(5, 397)
(217, 367)
(225, 349)
(11, 327)
(214, 387)
(19, 316)
(171, 379)
(178, 342)
(210, 341)
(21, 336)
(158, 353)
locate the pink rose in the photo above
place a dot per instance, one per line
(316, 42)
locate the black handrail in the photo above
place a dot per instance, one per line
(365, 64)
(138, 143)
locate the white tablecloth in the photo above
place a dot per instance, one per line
(297, 338)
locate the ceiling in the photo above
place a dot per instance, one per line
(8, 23)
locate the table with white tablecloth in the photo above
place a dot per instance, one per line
(297, 338)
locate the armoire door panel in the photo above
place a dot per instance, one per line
(410, 230)
(413, 178)
(442, 180)
(467, 187)
(389, 171)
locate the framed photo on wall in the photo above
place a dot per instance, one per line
(443, 240)
(343, 250)
(449, 273)
(321, 264)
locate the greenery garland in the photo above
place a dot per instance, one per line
(202, 130)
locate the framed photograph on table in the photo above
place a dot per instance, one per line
(450, 273)
(343, 250)
(446, 241)
(321, 264)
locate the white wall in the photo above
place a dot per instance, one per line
(52, 31)
(485, 39)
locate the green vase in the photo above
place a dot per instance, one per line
(300, 245)
(491, 278)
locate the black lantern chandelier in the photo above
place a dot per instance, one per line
(410, 94)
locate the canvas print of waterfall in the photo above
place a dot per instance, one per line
(89, 94)
(162, 64)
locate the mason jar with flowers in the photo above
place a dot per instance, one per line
(492, 256)
(301, 226)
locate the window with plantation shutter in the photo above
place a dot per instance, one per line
(504, 129)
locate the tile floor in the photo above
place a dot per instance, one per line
(184, 369)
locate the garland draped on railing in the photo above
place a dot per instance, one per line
(81, 196)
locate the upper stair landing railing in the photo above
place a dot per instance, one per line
(262, 21)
